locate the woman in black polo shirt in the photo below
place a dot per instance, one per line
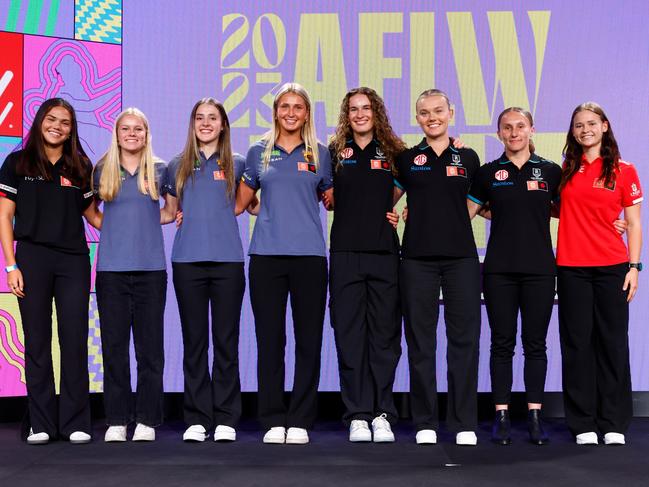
(519, 268)
(364, 265)
(46, 187)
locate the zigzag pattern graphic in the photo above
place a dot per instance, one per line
(98, 20)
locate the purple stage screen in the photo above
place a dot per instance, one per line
(161, 56)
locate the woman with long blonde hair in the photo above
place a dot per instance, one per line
(131, 276)
(287, 257)
(208, 275)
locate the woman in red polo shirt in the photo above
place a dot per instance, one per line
(597, 278)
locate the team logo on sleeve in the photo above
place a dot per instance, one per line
(420, 160)
(537, 186)
(635, 191)
(307, 167)
(455, 171)
(377, 164)
(599, 184)
(501, 175)
(219, 175)
(346, 153)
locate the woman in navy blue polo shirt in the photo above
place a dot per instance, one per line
(520, 188)
(207, 260)
(364, 265)
(287, 256)
(46, 187)
(131, 276)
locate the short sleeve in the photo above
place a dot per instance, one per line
(161, 177)
(474, 164)
(631, 189)
(250, 174)
(87, 191)
(170, 183)
(8, 178)
(326, 178)
(556, 181)
(398, 178)
(479, 190)
(239, 167)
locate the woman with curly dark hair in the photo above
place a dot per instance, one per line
(364, 265)
(597, 277)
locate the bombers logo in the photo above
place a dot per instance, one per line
(420, 160)
(501, 175)
(347, 152)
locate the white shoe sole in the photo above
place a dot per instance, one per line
(194, 437)
(361, 439)
(221, 436)
(297, 441)
(383, 439)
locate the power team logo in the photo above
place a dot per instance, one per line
(346, 153)
(306, 167)
(377, 164)
(455, 171)
(501, 175)
(537, 186)
(455, 158)
(420, 160)
(379, 153)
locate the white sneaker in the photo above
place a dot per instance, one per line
(80, 438)
(466, 438)
(297, 436)
(382, 430)
(143, 433)
(426, 437)
(115, 433)
(37, 438)
(195, 433)
(224, 433)
(589, 438)
(359, 431)
(614, 439)
(275, 435)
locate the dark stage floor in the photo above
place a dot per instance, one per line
(330, 460)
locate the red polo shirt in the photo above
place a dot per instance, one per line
(586, 233)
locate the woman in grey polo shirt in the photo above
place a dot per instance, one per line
(207, 260)
(287, 256)
(131, 276)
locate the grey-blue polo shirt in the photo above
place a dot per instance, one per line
(209, 232)
(131, 235)
(289, 217)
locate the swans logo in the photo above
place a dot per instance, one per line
(501, 175)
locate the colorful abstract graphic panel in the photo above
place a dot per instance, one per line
(43, 17)
(86, 74)
(98, 20)
(11, 84)
(12, 351)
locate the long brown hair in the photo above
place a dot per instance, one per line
(34, 162)
(190, 153)
(523, 112)
(390, 143)
(573, 151)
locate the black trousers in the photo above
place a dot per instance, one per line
(594, 324)
(219, 286)
(505, 295)
(48, 274)
(420, 281)
(272, 279)
(364, 306)
(132, 300)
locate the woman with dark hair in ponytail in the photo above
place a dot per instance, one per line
(597, 278)
(46, 187)
(519, 188)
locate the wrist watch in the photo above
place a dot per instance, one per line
(635, 265)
